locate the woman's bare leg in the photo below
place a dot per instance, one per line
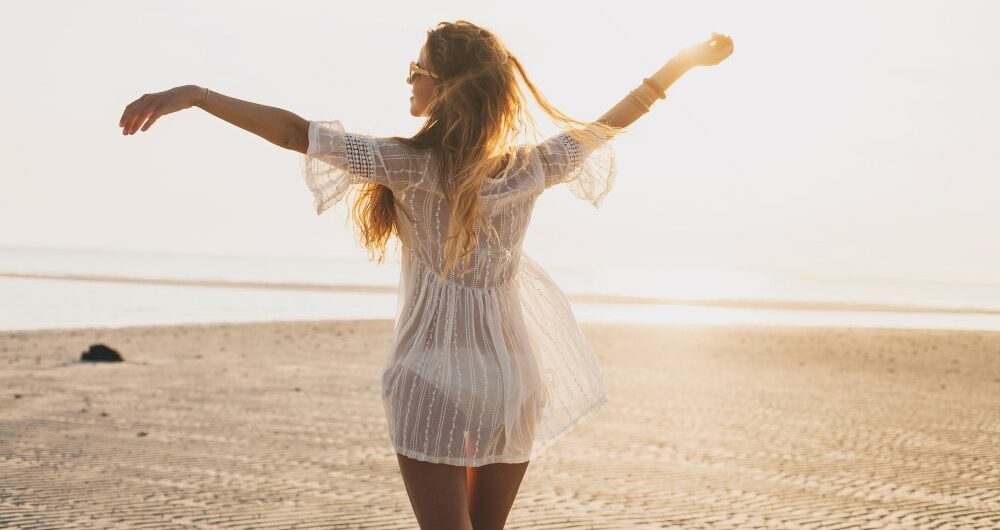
(492, 489)
(437, 494)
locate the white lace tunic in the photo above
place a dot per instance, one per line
(490, 366)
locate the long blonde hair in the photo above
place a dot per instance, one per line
(475, 114)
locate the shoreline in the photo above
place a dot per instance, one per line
(707, 327)
(739, 303)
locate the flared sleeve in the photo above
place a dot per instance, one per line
(587, 167)
(336, 160)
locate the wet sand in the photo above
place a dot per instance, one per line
(279, 425)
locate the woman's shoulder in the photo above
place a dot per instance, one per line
(400, 148)
(517, 178)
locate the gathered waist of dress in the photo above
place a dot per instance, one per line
(420, 266)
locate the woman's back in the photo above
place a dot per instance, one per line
(506, 205)
(338, 159)
(488, 366)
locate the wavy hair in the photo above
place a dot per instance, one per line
(476, 112)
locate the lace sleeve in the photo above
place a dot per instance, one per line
(336, 160)
(587, 167)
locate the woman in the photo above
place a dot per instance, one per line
(488, 366)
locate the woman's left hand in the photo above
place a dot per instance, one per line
(709, 52)
(147, 109)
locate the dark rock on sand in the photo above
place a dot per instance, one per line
(101, 353)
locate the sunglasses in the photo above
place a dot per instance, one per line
(414, 69)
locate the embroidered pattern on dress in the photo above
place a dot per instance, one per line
(572, 149)
(360, 156)
(489, 366)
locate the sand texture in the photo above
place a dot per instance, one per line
(279, 425)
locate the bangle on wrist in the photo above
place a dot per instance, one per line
(661, 93)
(638, 101)
(649, 94)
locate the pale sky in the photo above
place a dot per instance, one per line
(840, 138)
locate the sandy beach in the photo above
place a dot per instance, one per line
(279, 425)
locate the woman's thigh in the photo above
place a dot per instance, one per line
(437, 493)
(491, 491)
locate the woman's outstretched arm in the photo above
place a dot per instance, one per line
(278, 126)
(706, 53)
(625, 112)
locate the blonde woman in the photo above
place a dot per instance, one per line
(488, 366)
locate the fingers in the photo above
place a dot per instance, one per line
(126, 117)
(721, 39)
(152, 119)
(128, 111)
(137, 118)
(723, 44)
(135, 113)
(130, 122)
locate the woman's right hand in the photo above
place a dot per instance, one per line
(149, 107)
(707, 53)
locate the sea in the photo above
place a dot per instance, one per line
(58, 288)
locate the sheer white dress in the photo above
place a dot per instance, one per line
(490, 366)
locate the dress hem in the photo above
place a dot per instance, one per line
(502, 459)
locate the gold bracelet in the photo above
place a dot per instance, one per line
(653, 96)
(646, 94)
(642, 91)
(645, 98)
(638, 97)
(661, 93)
(635, 100)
